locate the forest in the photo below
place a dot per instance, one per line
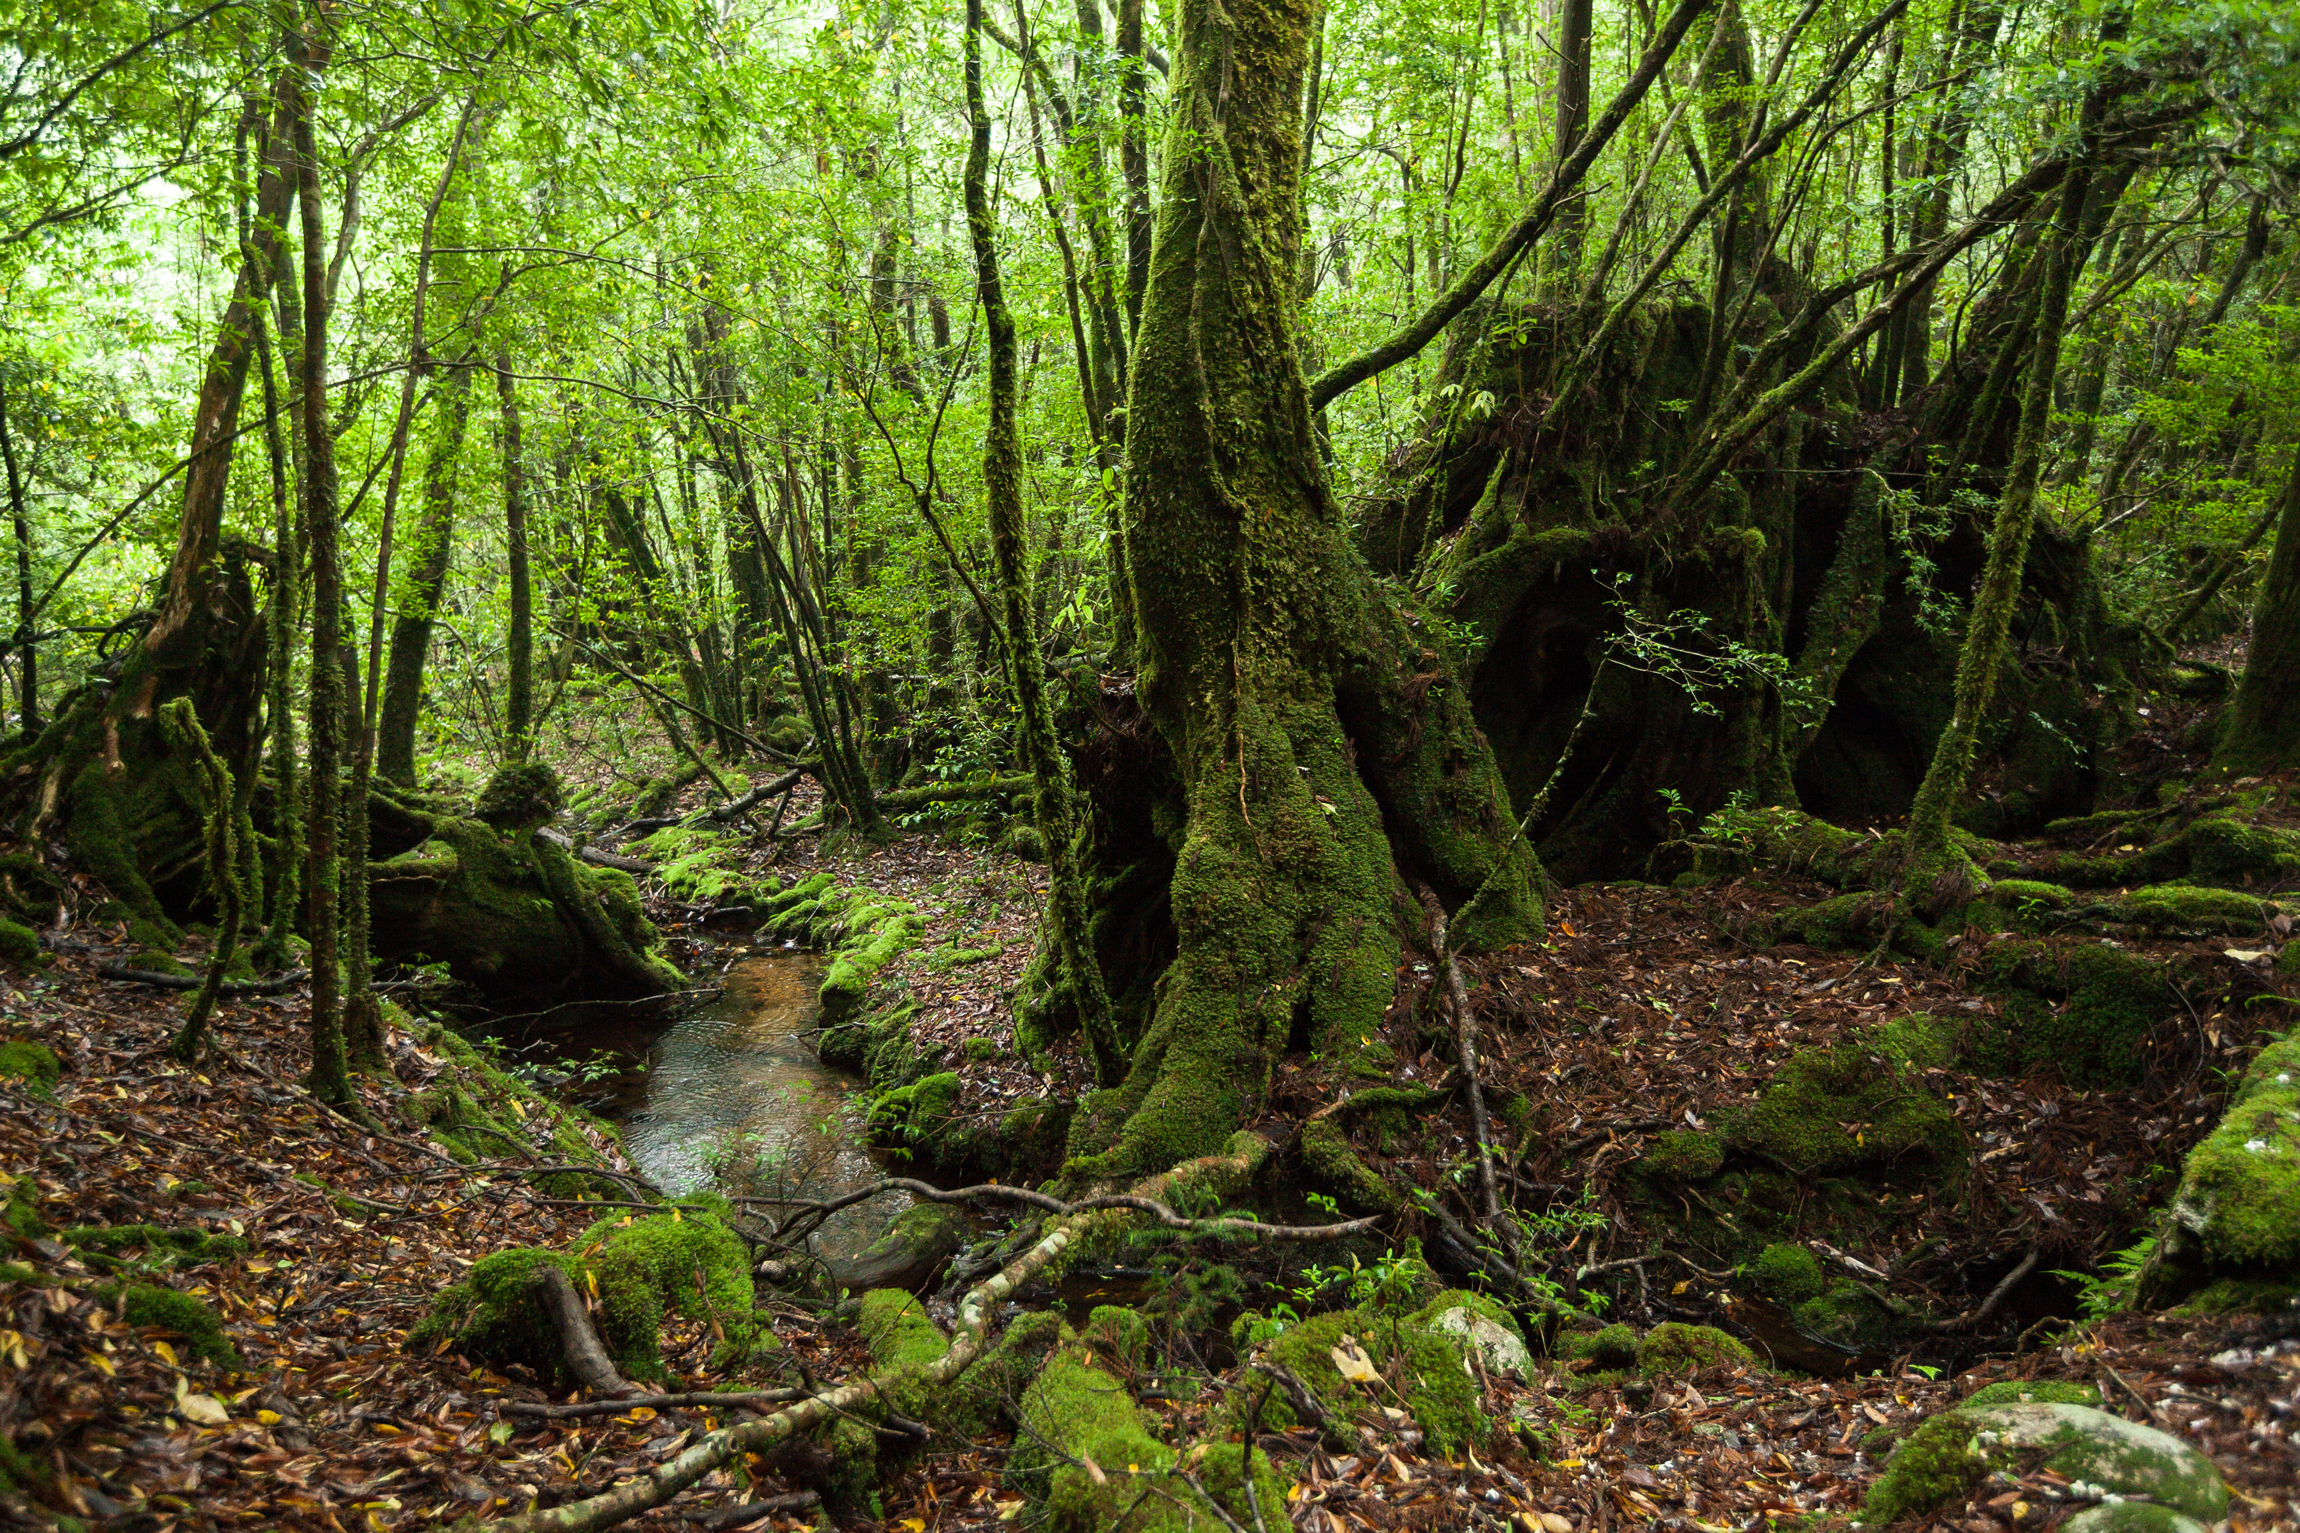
(1226, 765)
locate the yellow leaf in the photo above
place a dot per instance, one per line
(1353, 1363)
(166, 1353)
(639, 1413)
(913, 1524)
(268, 1418)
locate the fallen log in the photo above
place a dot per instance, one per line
(277, 985)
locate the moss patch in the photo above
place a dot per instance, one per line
(2028, 1391)
(20, 944)
(1850, 1108)
(34, 1064)
(1677, 1348)
(145, 1305)
(1788, 1274)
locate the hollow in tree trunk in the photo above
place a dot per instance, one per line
(1325, 754)
(2263, 728)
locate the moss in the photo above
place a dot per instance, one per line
(991, 1391)
(1832, 1111)
(1327, 1154)
(2112, 1000)
(22, 1212)
(146, 1306)
(900, 1334)
(1422, 1369)
(520, 796)
(638, 1268)
(1678, 1348)
(1614, 1347)
(2022, 1391)
(20, 1472)
(1087, 1414)
(1788, 1274)
(20, 945)
(161, 1246)
(2187, 907)
(476, 1111)
(1846, 1314)
(916, 1113)
(34, 1064)
(1934, 1465)
(1681, 1156)
(1119, 1334)
(2239, 1200)
(2242, 1296)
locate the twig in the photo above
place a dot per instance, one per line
(693, 1398)
(752, 1511)
(1465, 1046)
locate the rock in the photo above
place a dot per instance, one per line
(909, 1253)
(1500, 1348)
(2117, 1455)
(2130, 1517)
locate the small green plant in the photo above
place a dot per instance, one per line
(2111, 1290)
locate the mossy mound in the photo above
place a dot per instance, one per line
(20, 945)
(1851, 1109)
(34, 1064)
(1422, 1369)
(147, 1306)
(1788, 1274)
(2108, 999)
(2236, 1216)
(1681, 1155)
(520, 796)
(862, 930)
(1612, 1348)
(1677, 1348)
(639, 1268)
(2190, 908)
(1085, 1412)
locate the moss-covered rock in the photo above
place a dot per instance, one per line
(1677, 1348)
(1424, 1370)
(520, 796)
(909, 1254)
(34, 1065)
(1681, 1156)
(149, 1307)
(2108, 1000)
(2189, 908)
(1614, 1347)
(1946, 1457)
(2236, 1215)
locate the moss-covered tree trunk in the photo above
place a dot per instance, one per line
(433, 544)
(1325, 755)
(2263, 728)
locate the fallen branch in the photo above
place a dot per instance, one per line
(1465, 1047)
(579, 1347)
(1130, 1202)
(701, 1398)
(953, 792)
(752, 1511)
(278, 985)
(743, 803)
(592, 854)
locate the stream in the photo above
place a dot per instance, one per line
(731, 1096)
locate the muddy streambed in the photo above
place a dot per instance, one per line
(729, 1096)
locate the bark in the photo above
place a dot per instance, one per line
(27, 650)
(2263, 728)
(426, 583)
(1319, 749)
(580, 1349)
(329, 1079)
(1066, 936)
(519, 688)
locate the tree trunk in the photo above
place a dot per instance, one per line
(27, 652)
(2263, 728)
(433, 545)
(1321, 749)
(1930, 881)
(519, 690)
(329, 1080)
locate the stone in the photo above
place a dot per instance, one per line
(909, 1253)
(2130, 1517)
(1500, 1348)
(2119, 1456)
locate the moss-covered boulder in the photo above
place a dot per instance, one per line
(2236, 1216)
(2084, 1007)
(909, 1254)
(1788, 1274)
(1943, 1460)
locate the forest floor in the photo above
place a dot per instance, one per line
(1640, 1009)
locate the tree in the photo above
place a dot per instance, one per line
(2262, 731)
(1324, 752)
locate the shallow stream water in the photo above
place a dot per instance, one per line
(732, 1097)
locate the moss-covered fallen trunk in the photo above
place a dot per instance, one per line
(2231, 1239)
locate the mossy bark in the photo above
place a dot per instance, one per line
(2263, 728)
(1320, 748)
